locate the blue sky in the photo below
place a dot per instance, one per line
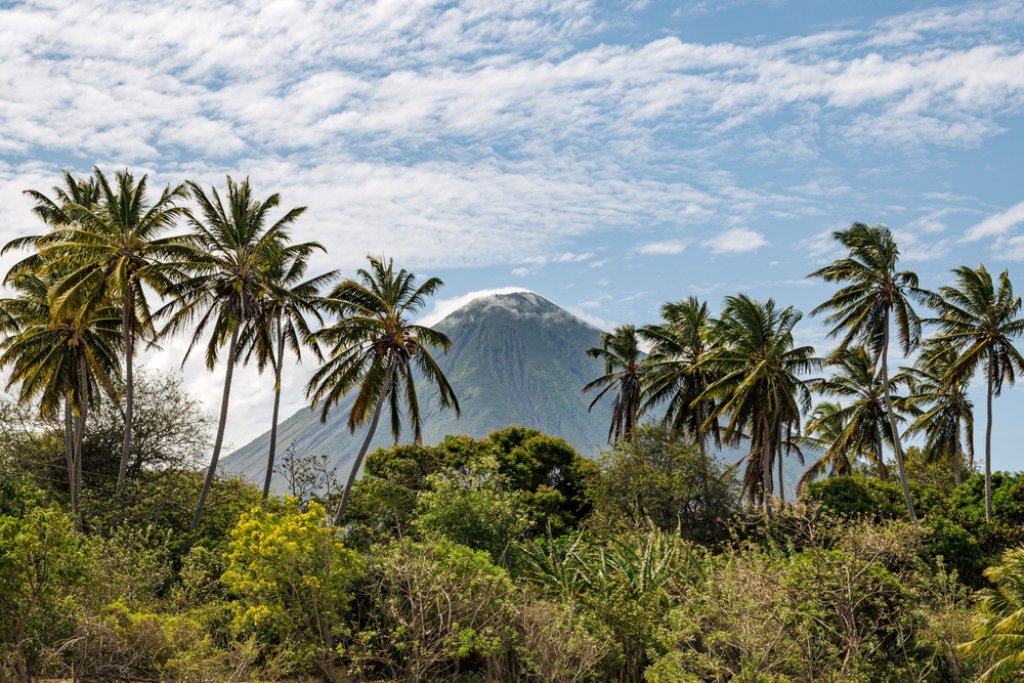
(611, 156)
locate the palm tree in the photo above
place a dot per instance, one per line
(228, 260)
(873, 293)
(55, 360)
(999, 626)
(377, 351)
(944, 413)
(759, 388)
(111, 249)
(676, 370)
(858, 427)
(824, 432)
(980, 323)
(282, 318)
(620, 353)
(77, 192)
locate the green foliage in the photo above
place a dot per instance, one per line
(126, 644)
(434, 610)
(163, 501)
(561, 644)
(474, 509)
(998, 631)
(44, 565)
(662, 476)
(859, 496)
(541, 476)
(820, 614)
(293, 579)
(625, 583)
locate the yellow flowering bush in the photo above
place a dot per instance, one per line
(291, 578)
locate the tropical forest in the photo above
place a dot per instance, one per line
(127, 553)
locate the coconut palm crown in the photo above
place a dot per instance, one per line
(676, 371)
(621, 356)
(376, 350)
(760, 387)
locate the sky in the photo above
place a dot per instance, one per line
(611, 156)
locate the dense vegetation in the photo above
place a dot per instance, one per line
(505, 558)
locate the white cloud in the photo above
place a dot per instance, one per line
(452, 134)
(444, 307)
(591, 319)
(997, 224)
(665, 248)
(736, 241)
(1011, 248)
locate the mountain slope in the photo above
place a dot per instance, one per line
(515, 359)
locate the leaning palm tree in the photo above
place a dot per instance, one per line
(944, 414)
(54, 360)
(282, 318)
(873, 294)
(760, 390)
(225, 263)
(112, 250)
(859, 428)
(676, 371)
(981, 323)
(621, 356)
(376, 351)
(998, 629)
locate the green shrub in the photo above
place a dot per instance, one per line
(433, 610)
(662, 476)
(44, 567)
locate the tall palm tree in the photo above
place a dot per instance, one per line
(54, 360)
(981, 323)
(227, 260)
(873, 295)
(944, 413)
(859, 426)
(621, 355)
(676, 369)
(50, 210)
(112, 249)
(998, 628)
(759, 389)
(377, 351)
(283, 318)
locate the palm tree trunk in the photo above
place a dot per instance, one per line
(782, 487)
(76, 479)
(766, 473)
(277, 404)
(219, 441)
(891, 413)
(69, 445)
(366, 443)
(127, 325)
(988, 446)
(957, 456)
(957, 478)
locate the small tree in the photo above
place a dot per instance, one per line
(664, 476)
